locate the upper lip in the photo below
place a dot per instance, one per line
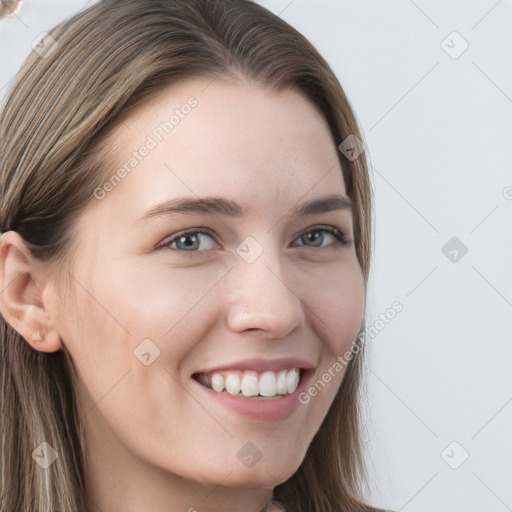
(261, 365)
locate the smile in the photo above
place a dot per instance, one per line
(264, 385)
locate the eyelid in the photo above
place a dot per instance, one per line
(167, 241)
(338, 233)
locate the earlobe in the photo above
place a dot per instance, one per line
(21, 295)
(46, 341)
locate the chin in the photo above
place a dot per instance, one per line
(262, 475)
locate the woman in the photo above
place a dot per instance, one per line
(184, 258)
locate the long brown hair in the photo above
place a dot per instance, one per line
(104, 60)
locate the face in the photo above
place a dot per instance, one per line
(172, 298)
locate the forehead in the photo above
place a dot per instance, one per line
(267, 149)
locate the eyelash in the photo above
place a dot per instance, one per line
(339, 235)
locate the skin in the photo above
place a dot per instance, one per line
(154, 439)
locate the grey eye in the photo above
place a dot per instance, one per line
(8, 7)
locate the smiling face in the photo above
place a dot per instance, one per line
(266, 280)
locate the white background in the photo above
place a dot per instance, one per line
(438, 131)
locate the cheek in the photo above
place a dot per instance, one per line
(337, 306)
(156, 297)
(123, 305)
(336, 312)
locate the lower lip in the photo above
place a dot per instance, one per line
(270, 409)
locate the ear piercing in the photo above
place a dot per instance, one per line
(37, 336)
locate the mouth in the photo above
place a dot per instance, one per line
(266, 385)
(263, 390)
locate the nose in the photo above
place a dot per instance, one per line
(261, 298)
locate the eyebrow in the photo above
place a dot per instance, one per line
(230, 208)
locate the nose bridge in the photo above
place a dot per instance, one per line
(259, 295)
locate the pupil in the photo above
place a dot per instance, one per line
(313, 236)
(184, 239)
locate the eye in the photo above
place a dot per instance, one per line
(199, 240)
(189, 241)
(315, 237)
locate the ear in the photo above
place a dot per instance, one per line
(22, 285)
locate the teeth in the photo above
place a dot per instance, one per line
(250, 384)
(292, 380)
(282, 388)
(233, 384)
(269, 384)
(218, 382)
(204, 380)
